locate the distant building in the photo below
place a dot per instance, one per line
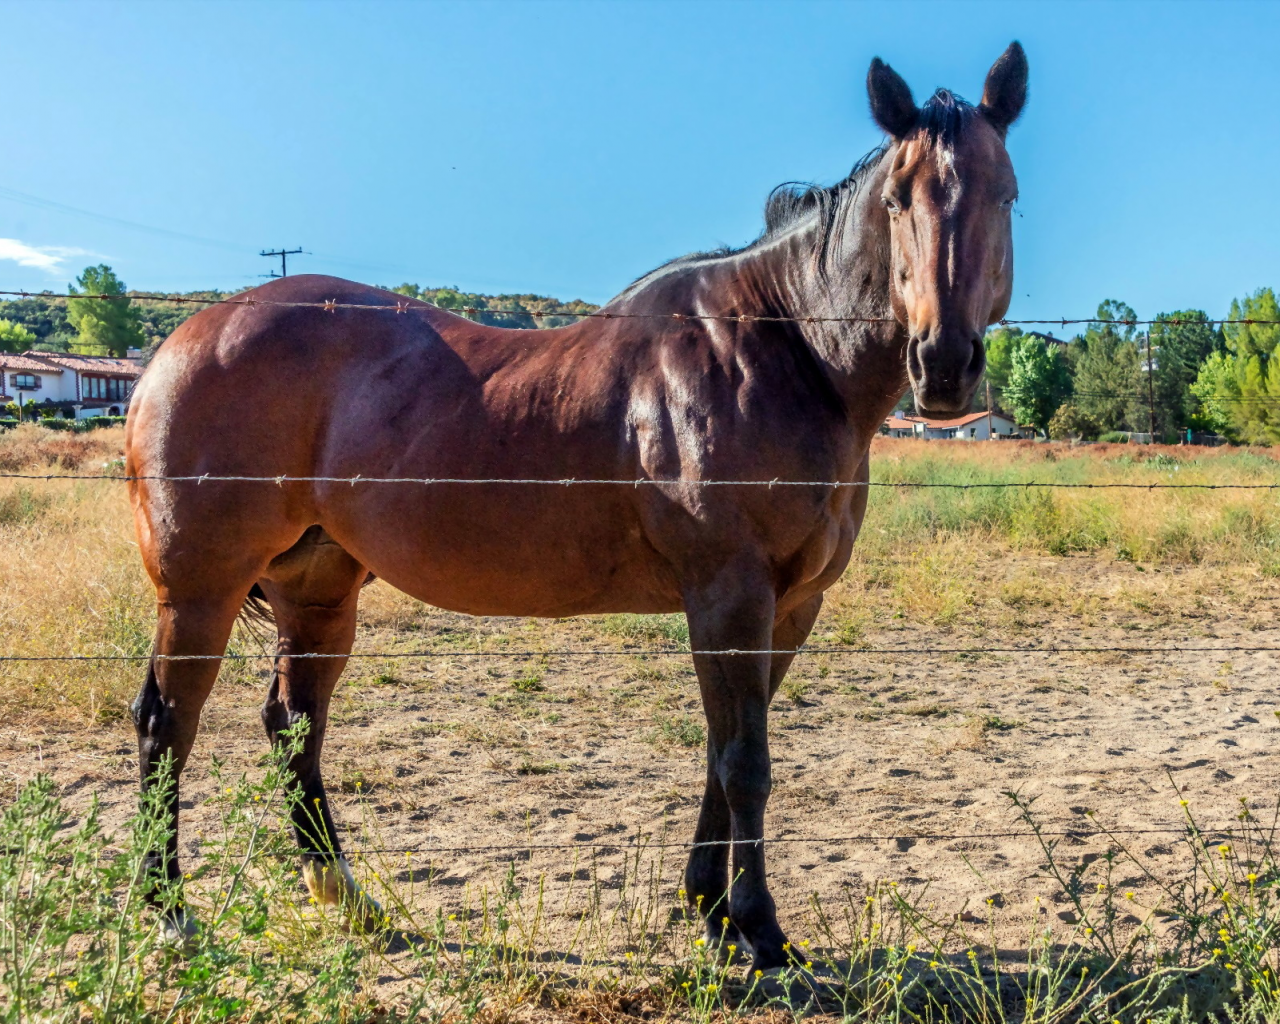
(970, 427)
(76, 386)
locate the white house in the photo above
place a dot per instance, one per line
(970, 427)
(75, 385)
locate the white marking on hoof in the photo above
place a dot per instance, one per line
(332, 884)
(179, 929)
(718, 944)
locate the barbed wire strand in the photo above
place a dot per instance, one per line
(417, 305)
(653, 652)
(352, 481)
(632, 844)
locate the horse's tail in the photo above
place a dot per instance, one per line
(256, 610)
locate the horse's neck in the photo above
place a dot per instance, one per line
(852, 334)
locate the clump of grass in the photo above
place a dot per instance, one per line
(672, 630)
(529, 683)
(795, 687)
(22, 507)
(679, 730)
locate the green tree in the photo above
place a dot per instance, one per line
(104, 326)
(1217, 394)
(1039, 381)
(1000, 343)
(15, 337)
(1180, 343)
(1240, 391)
(1108, 371)
(1069, 423)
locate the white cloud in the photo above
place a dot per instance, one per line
(43, 257)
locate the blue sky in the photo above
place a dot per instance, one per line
(566, 148)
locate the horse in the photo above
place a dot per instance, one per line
(787, 356)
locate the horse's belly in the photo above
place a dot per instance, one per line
(494, 557)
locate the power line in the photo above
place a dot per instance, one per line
(22, 197)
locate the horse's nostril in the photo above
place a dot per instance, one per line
(977, 359)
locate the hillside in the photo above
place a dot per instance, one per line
(46, 316)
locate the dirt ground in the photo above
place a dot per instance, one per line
(596, 750)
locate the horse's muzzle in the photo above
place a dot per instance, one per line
(944, 369)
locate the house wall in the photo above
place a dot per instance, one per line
(52, 386)
(61, 387)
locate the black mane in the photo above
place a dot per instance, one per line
(943, 118)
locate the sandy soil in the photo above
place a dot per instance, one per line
(449, 752)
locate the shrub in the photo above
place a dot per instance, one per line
(1115, 437)
(1070, 422)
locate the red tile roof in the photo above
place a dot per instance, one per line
(901, 420)
(29, 362)
(90, 364)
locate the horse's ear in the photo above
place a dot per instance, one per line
(891, 103)
(1005, 90)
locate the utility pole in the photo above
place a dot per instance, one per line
(284, 255)
(1151, 391)
(990, 436)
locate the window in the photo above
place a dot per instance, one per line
(25, 382)
(113, 389)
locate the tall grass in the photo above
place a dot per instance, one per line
(1168, 526)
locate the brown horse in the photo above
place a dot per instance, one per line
(908, 259)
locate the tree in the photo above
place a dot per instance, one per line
(105, 326)
(15, 337)
(1039, 381)
(1240, 389)
(1069, 423)
(1108, 372)
(1000, 343)
(1216, 393)
(1180, 342)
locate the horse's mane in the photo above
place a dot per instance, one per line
(943, 118)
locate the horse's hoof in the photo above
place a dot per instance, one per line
(365, 915)
(333, 884)
(179, 930)
(728, 945)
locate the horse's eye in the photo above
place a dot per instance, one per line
(1008, 203)
(891, 204)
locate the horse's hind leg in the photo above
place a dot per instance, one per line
(167, 712)
(313, 590)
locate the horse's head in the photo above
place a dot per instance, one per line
(949, 194)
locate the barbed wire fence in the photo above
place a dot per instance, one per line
(420, 306)
(642, 840)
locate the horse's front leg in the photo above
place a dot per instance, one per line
(724, 615)
(707, 875)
